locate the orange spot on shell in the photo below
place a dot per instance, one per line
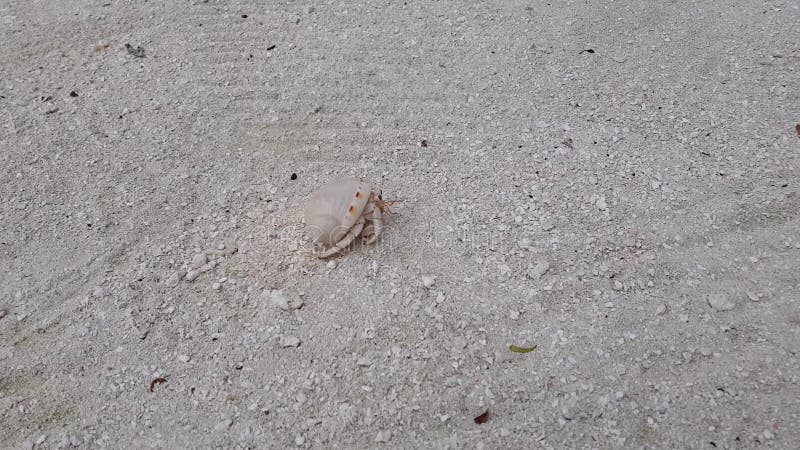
(358, 194)
(351, 209)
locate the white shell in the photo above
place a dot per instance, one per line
(335, 208)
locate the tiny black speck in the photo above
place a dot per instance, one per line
(73, 94)
(244, 16)
(294, 176)
(271, 47)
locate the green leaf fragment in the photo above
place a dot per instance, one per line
(517, 349)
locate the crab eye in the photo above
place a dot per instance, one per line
(379, 195)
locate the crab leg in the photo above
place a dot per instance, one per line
(345, 241)
(375, 216)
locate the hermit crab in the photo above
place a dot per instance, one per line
(343, 210)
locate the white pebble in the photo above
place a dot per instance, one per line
(283, 301)
(184, 358)
(192, 275)
(601, 204)
(278, 300)
(223, 425)
(363, 362)
(619, 395)
(661, 309)
(199, 260)
(428, 281)
(221, 246)
(290, 341)
(299, 439)
(175, 278)
(98, 292)
(720, 302)
(75, 440)
(538, 270)
(383, 436)
(331, 265)
(216, 286)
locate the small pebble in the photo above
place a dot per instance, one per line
(75, 440)
(98, 292)
(661, 309)
(216, 286)
(720, 302)
(41, 439)
(278, 300)
(2, 313)
(223, 425)
(428, 281)
(199, 260)
(568, 412)
(383, 436)
(363, 362)
(285, 302)
(290, 341)
(331, 265)
(175, 278)
(184, 358)
(299, 439)
(753, 297)
(538, 270)
(221, 247)
(192, 275)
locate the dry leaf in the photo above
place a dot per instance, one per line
(516, 349)
(157, 381)
(483, 418)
